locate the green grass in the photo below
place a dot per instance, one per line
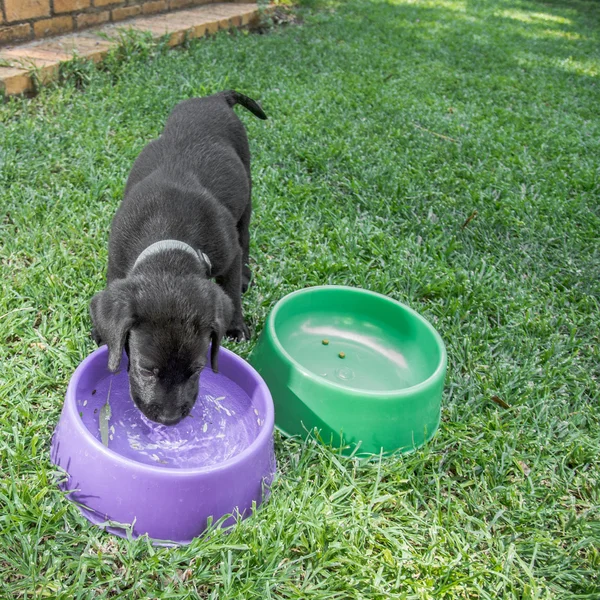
(351, 186)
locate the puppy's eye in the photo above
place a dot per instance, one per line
(149, 372)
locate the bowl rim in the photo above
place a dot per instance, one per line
(377, 394)
(263, 437)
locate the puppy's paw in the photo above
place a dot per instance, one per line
(239, 332)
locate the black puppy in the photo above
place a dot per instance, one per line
(183, 220)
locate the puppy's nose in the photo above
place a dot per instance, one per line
(158, 414)
(180, 413)
(171, 416)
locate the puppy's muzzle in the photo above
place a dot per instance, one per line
(163, 415)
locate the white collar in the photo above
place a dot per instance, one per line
(173, 245)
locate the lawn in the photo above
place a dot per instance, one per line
(391, 123)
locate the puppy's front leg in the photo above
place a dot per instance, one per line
(244, 239)
(231, 282)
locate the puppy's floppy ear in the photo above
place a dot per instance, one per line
(112, 315)
(223, 315)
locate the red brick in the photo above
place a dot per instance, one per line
(118, 14)
(54, 26)
(154, 7)
(46, 70)
(197, 30)
(176, 38)
(14, 81)
(107, 2)
(178, 5)
(175, 4)
(250, 17)
(43, 69)
(229, 9)
(158, 27)
(24, 54)
(216, 20)
(192, 22)
(15, 33)
(236, 21)
(90, 19)
(83, 45)
(63, 6)
(212, 27)
(19, 10)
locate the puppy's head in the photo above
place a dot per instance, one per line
(165, 327)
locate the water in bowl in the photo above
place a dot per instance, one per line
(222, 424)
(354, 351)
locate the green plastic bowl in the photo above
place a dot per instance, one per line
(357, 366)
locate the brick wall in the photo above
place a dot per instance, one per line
(23, 20)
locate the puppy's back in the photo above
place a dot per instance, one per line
(202, 136)
(202, 123)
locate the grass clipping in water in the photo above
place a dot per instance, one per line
(105, 414)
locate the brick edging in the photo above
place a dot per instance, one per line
(26, 20)
(39, 61)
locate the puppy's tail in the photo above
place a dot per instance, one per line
(234, 98)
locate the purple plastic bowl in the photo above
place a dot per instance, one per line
(166, 481)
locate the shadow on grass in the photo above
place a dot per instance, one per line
(477, 38)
